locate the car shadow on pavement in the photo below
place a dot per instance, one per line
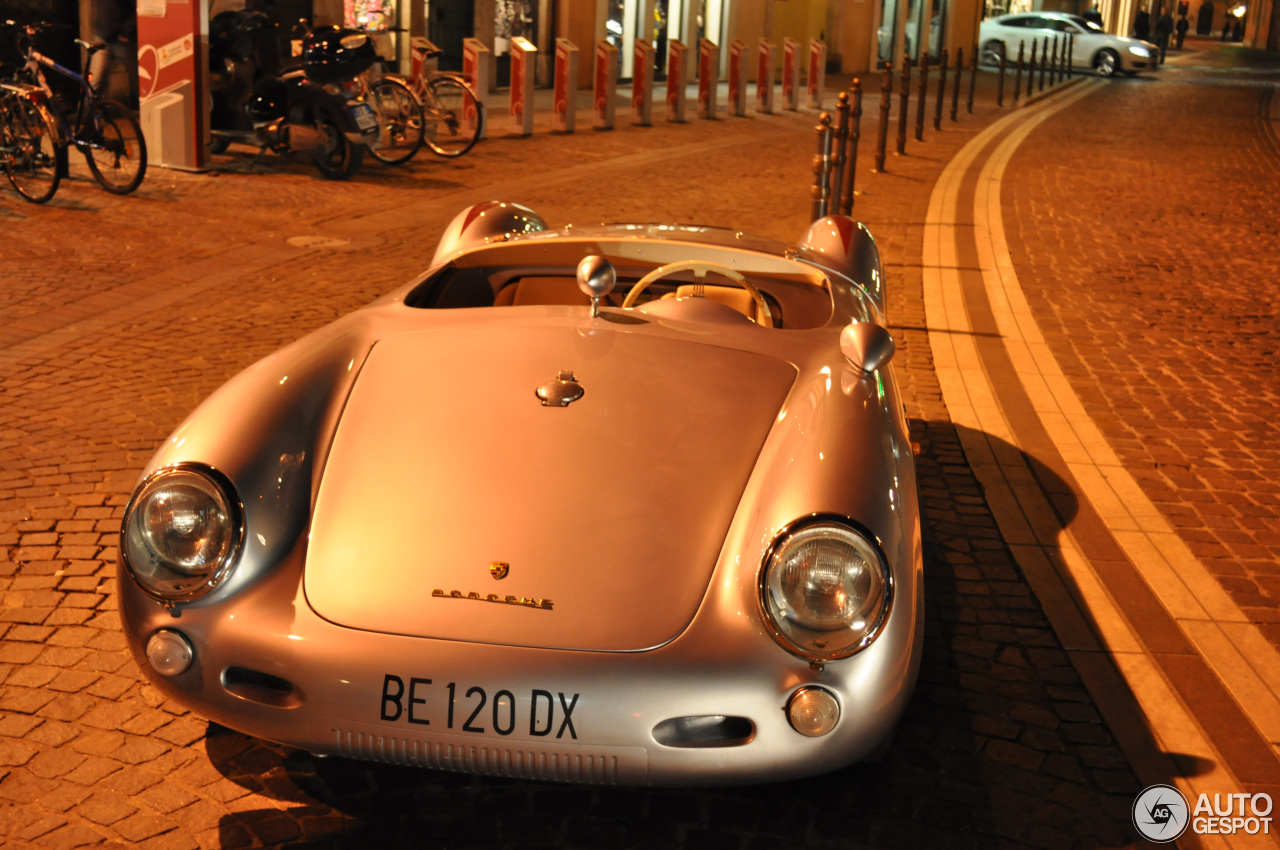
(1001, 743)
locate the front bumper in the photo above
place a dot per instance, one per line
(267, 665)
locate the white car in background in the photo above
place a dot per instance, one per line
(1093, 48)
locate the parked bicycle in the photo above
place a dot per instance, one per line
(454, 115)
(28, 142)
(433, 108)
(103, 130)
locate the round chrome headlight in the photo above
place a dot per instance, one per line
(825, 590)
(182, 532)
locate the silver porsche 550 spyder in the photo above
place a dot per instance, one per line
(627, 504)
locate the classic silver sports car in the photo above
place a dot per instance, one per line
(624, 504)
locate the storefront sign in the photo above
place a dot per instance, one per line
(604, 91)
(764, 76)
(476, 66)
(564, 103)
(522, 56)
(675, 81)
(708, 78)
(642, 84)
(790, 73)
(817, 72)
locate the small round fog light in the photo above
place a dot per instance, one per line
(169, 652)
(813, 712)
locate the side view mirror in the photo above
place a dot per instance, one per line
(866, 345)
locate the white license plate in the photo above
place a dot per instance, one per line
(365, 117)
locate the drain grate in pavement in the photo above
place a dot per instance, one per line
(317, 242)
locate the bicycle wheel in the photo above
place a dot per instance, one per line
(399, 120)
(29, 148)
(116, 152)
(454, 116)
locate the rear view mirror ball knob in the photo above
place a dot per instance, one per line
(813, 712)
(169, 652)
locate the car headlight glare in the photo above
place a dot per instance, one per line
(181, 533)
(825, 590)
(1139, 50)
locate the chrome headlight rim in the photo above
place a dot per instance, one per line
(235, 520)
(780, 539)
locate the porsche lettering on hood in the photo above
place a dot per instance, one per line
(615, 507)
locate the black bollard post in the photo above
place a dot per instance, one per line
(942, 90)
(1057, 61)
(821, 192)
(1000, 82)
(886, 103)
(922, 93)
(1071, 55)
(973, 77)
(1017, 80)
(1031, 69)
(1044, 62)
(955, 87)
(904, 104)
(855, 133)
(838, 148)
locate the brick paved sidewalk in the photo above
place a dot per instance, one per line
(119, 315)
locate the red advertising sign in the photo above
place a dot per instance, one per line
(764, 77)
(475, 67)
(675, 81)
(605, 84)
(817, 72)
(708, 77)
(737, 85)
(790, 73)
(642, 84)
(563, 102)
(172, 84)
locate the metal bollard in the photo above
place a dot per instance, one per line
(1017, 80)
(1031, 69)
(1071, 54)
(822, 168)
(904, 104)
(942, 90)
(1000, 82)
(855, 133)
(973, 77)
(886, 103)
(1044, 62)
(1053, 64)
(955, 88)
(842, 136)
(922, 93)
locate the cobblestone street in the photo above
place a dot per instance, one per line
(1154, 282)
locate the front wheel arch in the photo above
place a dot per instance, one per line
(1106, 62)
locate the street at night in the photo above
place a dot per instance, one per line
(1083, 295)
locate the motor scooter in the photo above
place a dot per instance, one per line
(309, 105)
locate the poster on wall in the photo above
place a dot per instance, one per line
(512, 19)
(371, 15)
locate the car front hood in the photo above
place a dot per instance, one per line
(609, 513)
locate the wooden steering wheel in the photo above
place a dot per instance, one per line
(700, 269)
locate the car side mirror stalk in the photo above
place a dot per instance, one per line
(596, 279)
(866, 345)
